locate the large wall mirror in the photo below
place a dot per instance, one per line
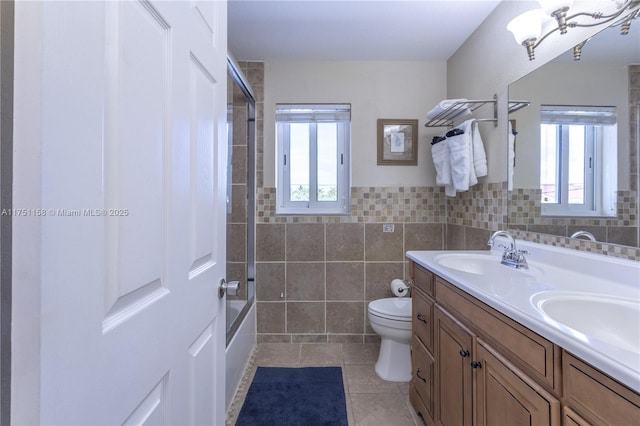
(573, 163)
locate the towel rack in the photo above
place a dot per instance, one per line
(517, 105)
(449, 116)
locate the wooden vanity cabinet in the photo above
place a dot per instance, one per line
(473, 382)
(472, 365)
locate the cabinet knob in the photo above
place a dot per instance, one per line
(464, 353)
(476, 364)
(419, 317)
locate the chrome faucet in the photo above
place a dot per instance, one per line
(587, 235)
(511, 256)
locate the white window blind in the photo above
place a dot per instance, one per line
(318, 113)
(578, 115)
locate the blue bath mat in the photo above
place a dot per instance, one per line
(295, 396)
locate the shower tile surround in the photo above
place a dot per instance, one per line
(316, 274)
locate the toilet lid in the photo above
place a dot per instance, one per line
(398, 308)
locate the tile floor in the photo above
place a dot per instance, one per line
(370, 400)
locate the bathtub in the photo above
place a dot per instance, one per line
(239, 348)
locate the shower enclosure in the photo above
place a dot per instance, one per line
(240, 195)
(240, 309)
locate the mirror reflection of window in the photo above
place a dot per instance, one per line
(577, 160)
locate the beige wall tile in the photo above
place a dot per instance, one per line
(270, 242)
(345, 241)
(423, 236)
(476, 239)
(623, 235)
(305, 241)
(345, 317)
(455, 237)
(383, 246)
(345, 281)
(378, 279)
(270, 317)
(305, 317)
(270, 281)
(239, 164)
(236, 243)
(305, 281)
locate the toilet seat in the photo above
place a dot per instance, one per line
(393, 308)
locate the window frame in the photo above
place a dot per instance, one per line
(600, 128)
(312, 114)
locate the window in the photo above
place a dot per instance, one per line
(313, 159)
(578, 157)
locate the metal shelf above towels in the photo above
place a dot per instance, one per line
(458, 111)
(517, 105)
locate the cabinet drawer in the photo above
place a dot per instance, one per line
(422, 375)
(529, 351)
(423, 279)
(596, 397)
(423, 318)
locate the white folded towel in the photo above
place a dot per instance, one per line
(460, 151)
(459, 160)
(479, 155)
(458, 111)
(440, 155)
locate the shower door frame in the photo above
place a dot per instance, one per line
(243, 84)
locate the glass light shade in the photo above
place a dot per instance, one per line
(526, 26)
(550, 6)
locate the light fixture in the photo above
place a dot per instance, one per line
(527, 27)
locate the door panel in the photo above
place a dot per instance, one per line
(505, 395)
(202, 96)
(135, 147)
(132, 116)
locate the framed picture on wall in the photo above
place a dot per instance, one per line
(397, 142)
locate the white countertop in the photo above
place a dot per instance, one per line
(564, 271)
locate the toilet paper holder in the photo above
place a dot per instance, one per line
(401, 288)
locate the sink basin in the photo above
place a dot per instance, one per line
(593, 316)
(477, 264)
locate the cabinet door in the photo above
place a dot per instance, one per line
(506, 396)
(453, 346)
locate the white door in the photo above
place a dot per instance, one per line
(129, 186)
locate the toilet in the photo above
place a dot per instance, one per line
(390, 318)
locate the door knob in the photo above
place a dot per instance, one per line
(231, 287)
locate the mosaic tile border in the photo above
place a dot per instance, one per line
(625, 252)
(368, 205)
(526, 205)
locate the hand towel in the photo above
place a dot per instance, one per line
(440, 155)
(460, 151)
(479, 155)
(458, 112)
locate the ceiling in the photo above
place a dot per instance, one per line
(326, 30)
